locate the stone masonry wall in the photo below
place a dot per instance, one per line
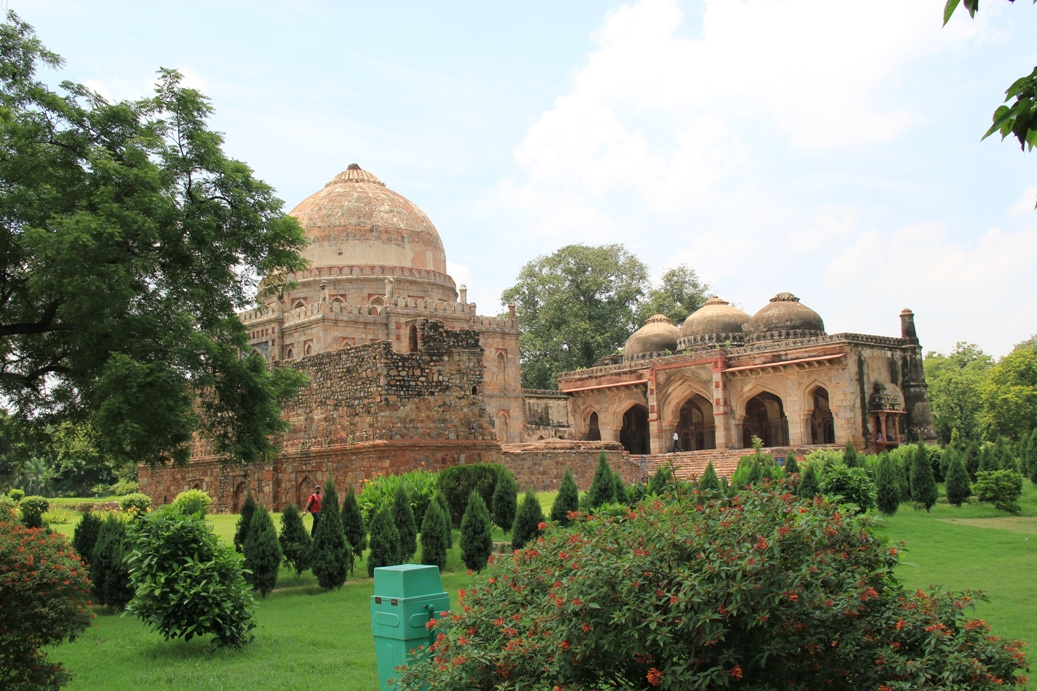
(542, 464)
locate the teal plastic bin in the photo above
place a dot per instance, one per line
(406, 596)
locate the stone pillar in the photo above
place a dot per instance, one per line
(722, 417)
(463, 290)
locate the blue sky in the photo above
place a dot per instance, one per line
(830, 149)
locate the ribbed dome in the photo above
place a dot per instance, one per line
(785, 313)
(715, 317)
(357, 221)
(657, 335)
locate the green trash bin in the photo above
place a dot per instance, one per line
(406, 597)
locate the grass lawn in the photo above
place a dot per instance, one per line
(306, 638)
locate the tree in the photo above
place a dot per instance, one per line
(527, 521)
(130, 240)
(1010, 396)
(573, 307)
(923, 484)
(1002, 488)
(808, 484)
(505, 500)
(848, 486)
(385, 542)
(440, 498)
(955, 389)
(791, 465)
(603, 487)
(1029, 456)
(851, 459)
(109, 572)
(709, 480)
(248, 507)
(567, 500)
(887, 489)
(332, 560)
(262, 552)
(296, 543)
(433, 536)
(353, 524)
(679, 294)
(403, 517)
(476, 539)
(85, 536)
(958, 487)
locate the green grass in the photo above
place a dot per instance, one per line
(306, 638)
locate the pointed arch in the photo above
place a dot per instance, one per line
(593, 427)
(634, 434)
(696, 425)
(821, 421)
(763, 416)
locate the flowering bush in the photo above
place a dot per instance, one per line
(43, 601)
(760, 590)
(136, 503)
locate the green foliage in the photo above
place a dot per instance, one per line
(1001, 488)
(748, 472)
(680, 293)
(527, 521)
(130, 242)
(936, 462)
(1010, 396)
(385, 542)
(505, 500)
(33, 507)
(16, 494)
(848, 486)
(573, 307)
(958, 487)
(457, 482)
(403, 517)
(476, 539)
(791, 465)
(85, 536)
(262, 552)
(109, 571)
(136, 503)
(923, 485)
(721, 593)
(433, 536)
(353, 524)
(332, 559)
(193, 501)
(441, 500)
(887, 486)
(709, 482)
(567, 500)
(296, 543)
(123, 487)
(955, 385)
(603, 486)
(851, 459)
(1029, 456)
(622, 497)
(248, 507)
(661, 480)
(808, 486)
(44, 600)
(380, 493)
(187, 583)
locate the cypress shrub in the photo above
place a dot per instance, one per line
(709, 479)
(749, 472)
(527, 520)
(248, 507)
(988, 460)
(959, 489)
(567, 500)
(403, 517)
(441, 500)
(971, 459)
(476, 541)
(660, 481)
(433, 536)
(332, 560)
(109, 571)
(457, 482)
(85, 536)
(936, 461)
(791, 466)
(603, 486)
(1029, 455)
(886, 485)
(262, 552)
(353, 524)
(808, 483)
(923, 484)
(851, 459)
(621, 489)
(505, 500)
(296, 543)
(384, 542)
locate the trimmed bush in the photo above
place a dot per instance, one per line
(353, 524)
(16, 494)
(1029, 456)
(441, 500)
(923, 484)
(887, 488)
(661, 481)
(748, 472)
(603, 486)
(621, 489)
(505, 500)
(848, 486)
(262, 552)
(433, 536)
(808, 483)
(527, 521)
(248, 507)
(959, 489)
(457, 482)
(566, 501)
(44, 601)
(123, 487)
(193, 501)
(8, 508)
(332, 559)
(384, 541)
(791, 465)
(851, 459)
(109, 571)
(33, 507)
(187, 582)
(85, 536)
(476, 540)
(136, 504)
(709, 481)
(296, 543)
(403, 517)
(1002, 488)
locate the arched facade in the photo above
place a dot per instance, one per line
(634, 433)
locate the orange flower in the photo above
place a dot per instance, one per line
(655, 677)
(736, 672)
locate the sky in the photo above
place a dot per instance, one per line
(828, 149)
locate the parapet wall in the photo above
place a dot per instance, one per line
(541, 465)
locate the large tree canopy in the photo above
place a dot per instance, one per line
(128, 240)
(581, 303)
(1010, 395)
(955, 382)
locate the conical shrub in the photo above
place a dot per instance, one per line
(248, 507)
(353, 524)
(505, 500)
(709, 480)
(262, 552)
(476, 539)
(887, 488)
(433, 536)
(566, 501)
(603, 486)
(384, 542)
(296, 543)
(332, 559)
(959, 489)
(85, 536)
(109, 572)
(403, 517)
(527, 520)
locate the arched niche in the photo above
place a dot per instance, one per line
(593, 427)
(634, 434)
(238, 498)
(696, 426)
(822, 422)
(765, 418)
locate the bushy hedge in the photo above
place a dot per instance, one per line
(136, 503)
(379, 493)
(33, 507)
(457, 482)
(1002, 488)
(716, 593)
(109, 572)
(193, 501)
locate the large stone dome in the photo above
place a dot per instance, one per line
(785, 317)
(355, 220)
(715, 318)
(657, 335)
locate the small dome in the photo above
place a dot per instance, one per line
(657, 335)
(783, 314)
(715, 317)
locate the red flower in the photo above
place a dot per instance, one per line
(736, 672)
(655, 677)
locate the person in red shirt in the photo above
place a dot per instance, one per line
(313, 506)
